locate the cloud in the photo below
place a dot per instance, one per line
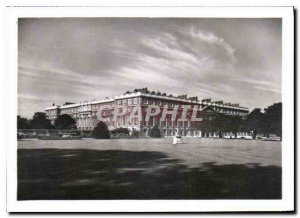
(168, 48)
(59, 74)
(260, 84)
(108, 56)
(253, 81)
(210, 38)
(268, 89)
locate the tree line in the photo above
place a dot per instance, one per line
(41, 121)
(266, 122)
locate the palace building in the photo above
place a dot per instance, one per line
(86, 116)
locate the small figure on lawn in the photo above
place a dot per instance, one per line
(177, 137)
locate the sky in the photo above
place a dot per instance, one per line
(82, 59)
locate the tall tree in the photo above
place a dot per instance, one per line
(273, 119)
(221, 124)
(65, 121)
(40, 121)
(254, 122)
(236, 123)
(205, 126)
(23, 123)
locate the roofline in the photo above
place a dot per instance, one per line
(139, 94)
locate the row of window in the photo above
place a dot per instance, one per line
(98, 106)
(85, 128)
(130, 101)
(69, 110)
(88, 122)
(51, 117)
(167, 123)
(135, 101)
(160, 103)
(51, 112)
(221, 110)
(85, 108)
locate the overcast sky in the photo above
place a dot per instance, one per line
(77, 59)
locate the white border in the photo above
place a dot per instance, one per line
(287, 202)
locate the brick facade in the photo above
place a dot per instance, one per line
(86, 117)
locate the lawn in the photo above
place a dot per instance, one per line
(149, 169)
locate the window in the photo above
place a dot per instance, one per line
(135, 101)
(130, 101)
(124, 102)
(119, 102)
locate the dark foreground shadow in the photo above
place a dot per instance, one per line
(58, 174)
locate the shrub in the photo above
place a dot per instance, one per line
(101, 131)
(120, 130)
(120, 136)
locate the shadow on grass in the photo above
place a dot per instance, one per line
(59, 174)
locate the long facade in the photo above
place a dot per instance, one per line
(86, 114)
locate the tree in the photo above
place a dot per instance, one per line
(23, 123)
(254, 122)
(205, 126)
(273, 119)
(236, 123)
(155, 132)
(40, 121)
(65, 121)
(101, 131)
(221, 124)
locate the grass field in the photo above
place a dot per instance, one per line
(149, 169)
